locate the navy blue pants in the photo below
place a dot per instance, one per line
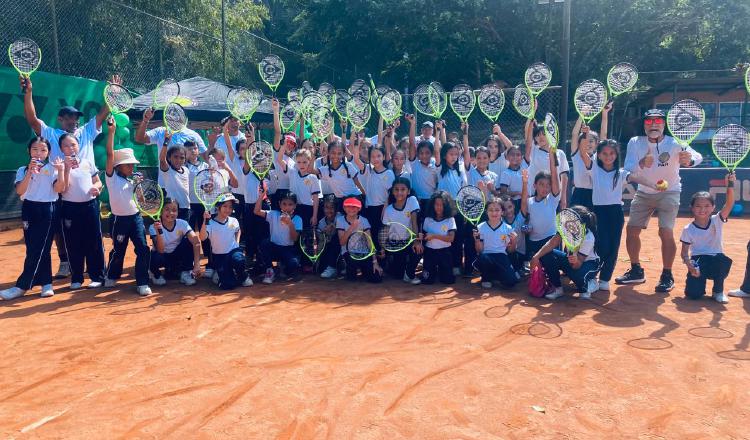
(457, 245)
(609, 220)
(82, 233)
(179, 260)
(39, 220)
(712, 267)
(532, 247)
(437, 266)
(183, 214)
(353, 267)
(286, 255)
(122, 229)
(582, 197)
(557, 261)
(231, 268)
(403, 262)
(374, 215)
(330, 255)
(256, 230)
(497, 267)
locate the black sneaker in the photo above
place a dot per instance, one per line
(634, 275)
(666, 283)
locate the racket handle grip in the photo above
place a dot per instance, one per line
(25, 85)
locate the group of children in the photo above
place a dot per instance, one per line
(340, 188)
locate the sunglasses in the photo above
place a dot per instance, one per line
(651, 121)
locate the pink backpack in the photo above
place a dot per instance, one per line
(538, 283)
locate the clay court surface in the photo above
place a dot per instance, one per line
(321, 359)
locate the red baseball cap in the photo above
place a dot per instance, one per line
(353, 201)
(290, 138)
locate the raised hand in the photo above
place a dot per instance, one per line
(147, 115)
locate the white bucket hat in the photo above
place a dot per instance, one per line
(125, 156)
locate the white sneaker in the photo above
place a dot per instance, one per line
(186, 278)
(486, 285)
(413, 281)
(109, 283)
(47, 291)
(603, 285)
(591, 287)
(328, 273)
(247, 283)
(720, 297)
(64, 270)
(738, 293)
(160, 281)
(215, 278)
(556, 294)
(269, 277)
(12, 293)
(208, 273)
(75, 286)
(456, 271)
(144, 290)
(94, 285)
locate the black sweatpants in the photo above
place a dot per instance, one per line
(39, 220)
(712, 267)
(609, 220)
(437, 266)
(82, 234)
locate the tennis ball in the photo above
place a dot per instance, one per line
(662, 185)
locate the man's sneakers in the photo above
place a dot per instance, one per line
(739, 293)
(634, 275)
(269, 276)
(64, 270)
(144, 290)
(186, 278)
(328, 273)
(666, 282)
(47, 291)
(12, 293)
(720, 297)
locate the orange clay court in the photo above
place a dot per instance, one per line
(336, 360)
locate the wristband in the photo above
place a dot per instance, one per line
(730, 184)
(159, 231)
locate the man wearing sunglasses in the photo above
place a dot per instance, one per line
(657, 158)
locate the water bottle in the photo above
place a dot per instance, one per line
(697, 268)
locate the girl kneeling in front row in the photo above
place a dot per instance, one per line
(493, 240)
(581, 267)
(226, 254)
(176, 247)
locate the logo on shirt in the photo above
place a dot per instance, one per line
(25, 226)
(120, 238)
(663, 159)
(68, 223)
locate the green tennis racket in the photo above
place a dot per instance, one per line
(259, 156)
(118, 98)
(359, 246)
(551, 132)
(523, 101)
(175, 119)
(621, 78)
(165, 92)
(208, 186)
(462, 101)
(395, 237)
(271, 70)
(571, 229)
(340, 98)
(537, 78)
(685, 121)
(359, 89)
(730, 145)
(590, 98)
(149, 198)
(359, 112)
(312, 242)
(491, 101)
(389, 105)
(25, 56)
(438, 99)
(470, 201)
(421, 100)
(289, 115)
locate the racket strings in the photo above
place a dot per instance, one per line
(685, 119)
(260, 157)
(174, 117)
(288, 116)
(622, 77)
(551, 130)
(148, 196)
(523, 102)
(166, 91)
(491, 101)
(271, 70)
(360, 89)
(118, 99)
(571, 228)
(421, 100)
(470, 201)
(209, 185)
(590, 98)
(313, 242)
(358, 245)
(25, 55)
(462, 100)
(538, 77)
(731, 143)
(340, 100)
(397, 237)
